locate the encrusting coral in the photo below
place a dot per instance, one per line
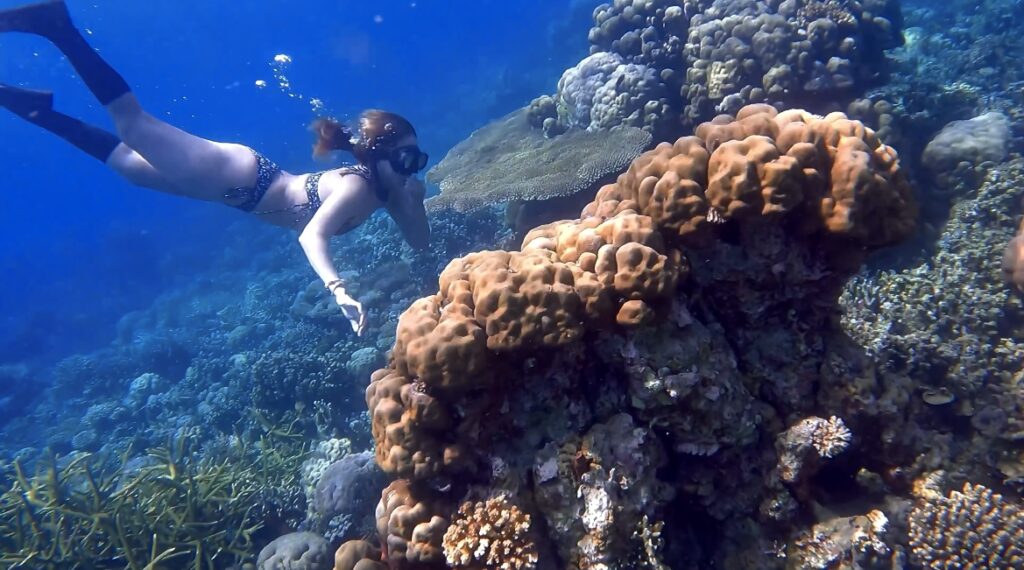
(530, 374)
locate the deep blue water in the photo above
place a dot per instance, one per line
(81, 247)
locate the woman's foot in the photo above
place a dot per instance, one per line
(43, 18)
(23, 101)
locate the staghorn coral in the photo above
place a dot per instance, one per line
(493, 533)
(148, 513)
(972, 528)
(508, 160)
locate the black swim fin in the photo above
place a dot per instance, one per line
(36, 107)
(52, 21)
(23, 101)
(42, 18)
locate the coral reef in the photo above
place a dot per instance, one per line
(666, 382)
(664, 65)
(81, 509)
(949, 322)
(686, 320)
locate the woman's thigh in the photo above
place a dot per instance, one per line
(199, 167)
(137, 170)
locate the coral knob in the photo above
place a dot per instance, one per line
(1013, 262)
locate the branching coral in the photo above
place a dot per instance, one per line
(493, 533)
(969, 529)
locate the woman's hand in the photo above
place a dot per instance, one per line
(415, 189)
(352, 309)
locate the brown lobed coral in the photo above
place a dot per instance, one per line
(1013, 260)
(570, 275)
(413, 522)
(831, 172)
(358, 555)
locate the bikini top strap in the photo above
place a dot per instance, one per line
(313, 190)
(367, 174)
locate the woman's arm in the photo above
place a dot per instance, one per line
(347, 202)
(406, 209)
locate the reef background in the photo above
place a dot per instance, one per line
(224, 348)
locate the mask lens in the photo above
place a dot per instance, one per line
(409, 160)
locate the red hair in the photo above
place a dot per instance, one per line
(378, 130)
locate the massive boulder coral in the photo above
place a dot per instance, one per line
(685, 320)
(744, 51)
(567, 277)
(832, 172)
(605, 91)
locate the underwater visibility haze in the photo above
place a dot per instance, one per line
(641, 284)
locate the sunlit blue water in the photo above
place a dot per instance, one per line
(81, 247)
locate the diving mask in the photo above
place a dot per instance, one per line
(407, 160)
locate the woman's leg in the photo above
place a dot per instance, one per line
(204, 168)
(36, 108)
(199, 167)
